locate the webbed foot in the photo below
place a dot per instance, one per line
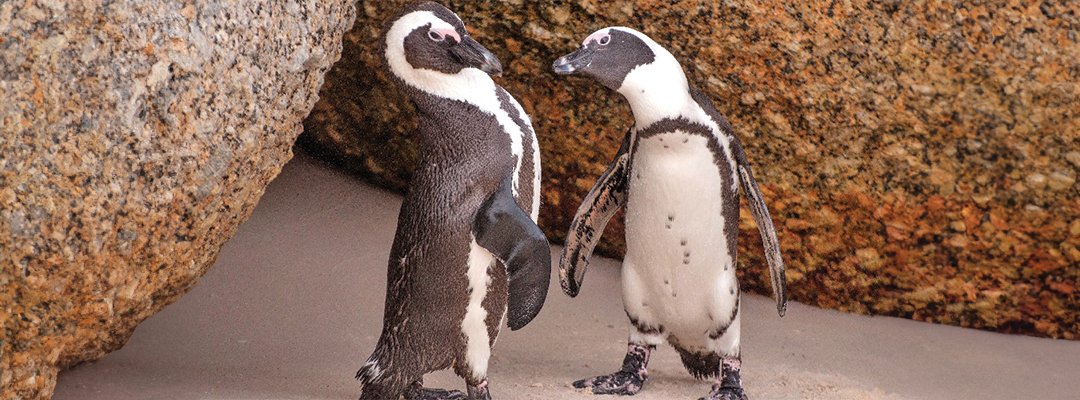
(725, 393)
(729, 386)
(417, 391)
(628, 380)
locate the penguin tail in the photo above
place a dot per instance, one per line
(385, 376)
(370, 372)
(376, 384)
(700, 365)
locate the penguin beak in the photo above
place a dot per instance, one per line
(573, 62)
(472, 54)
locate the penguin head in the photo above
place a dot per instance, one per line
(608, 55)
(426, 42)
(629, 62)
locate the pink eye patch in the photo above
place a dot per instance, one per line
(447, 33)
(595, 36)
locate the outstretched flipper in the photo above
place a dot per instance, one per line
(765, 226)
(605, 198)
(504, 229)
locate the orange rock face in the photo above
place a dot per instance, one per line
(919, 158)
(134, 138)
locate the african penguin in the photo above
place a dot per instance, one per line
(678, 173)
(467, 254)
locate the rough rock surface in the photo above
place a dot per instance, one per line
(919, 158)
(134, 138)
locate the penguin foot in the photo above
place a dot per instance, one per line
(725, 393)
(729, 386)
(621, 383)
(416, 391)
(628, 381)
(435, 394)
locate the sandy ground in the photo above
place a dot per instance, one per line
(294, 306)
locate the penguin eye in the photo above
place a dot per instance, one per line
(604, 40)
(436, 36)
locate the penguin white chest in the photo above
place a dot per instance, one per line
(678, 272)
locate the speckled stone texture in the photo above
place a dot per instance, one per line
(919, 158)
(136, 137)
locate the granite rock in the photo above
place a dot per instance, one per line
(919, 158)
(134, 138)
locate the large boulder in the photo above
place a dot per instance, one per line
(134, 138)
(919, 158)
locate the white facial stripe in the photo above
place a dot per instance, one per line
(395, 38)
(395, 41)
(469, 85)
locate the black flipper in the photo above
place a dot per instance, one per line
(607, 196)
(504, 229)
(765, 227)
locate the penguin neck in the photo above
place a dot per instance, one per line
(656, 92)
(656, 104)
(469, 85)
(448, 104)
(430, 90)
